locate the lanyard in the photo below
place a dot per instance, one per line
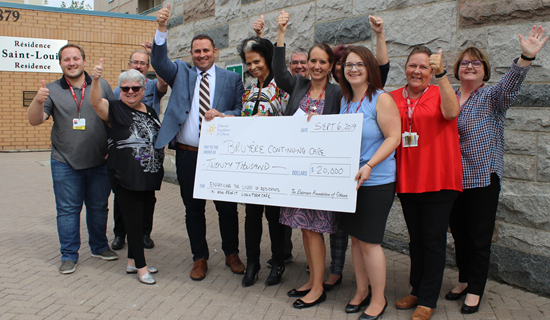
(74, 95)
(318, 100)
(471, 95)
(410, 107)
(358, 106)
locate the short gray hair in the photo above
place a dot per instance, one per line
(131, 75)
(297, 51)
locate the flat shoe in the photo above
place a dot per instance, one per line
(130, 269)
(297, 294)
(329, 287)
(354, 308)
(466, 309)
(365, 316)
(300, 304)
(147, 278)
(455, 296)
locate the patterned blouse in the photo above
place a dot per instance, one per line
(273, 100)
(481, 128)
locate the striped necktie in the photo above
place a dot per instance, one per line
(204, 97)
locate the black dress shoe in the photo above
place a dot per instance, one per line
(118, 243)
(299, 304)
(455, 296)
(470, 309)
(250, 275)
(275, 275)
(297, 294)
(354, 308)
(329, 287)
(365, 316)
(148, 243)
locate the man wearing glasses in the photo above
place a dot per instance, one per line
(298, 62)
(154, 91)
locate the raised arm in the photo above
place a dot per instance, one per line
(35, 112)
(389, 121)
(377, 25)
(450, 107)
(101, 106)
(531, 46)
(162, 86)
(284, 79)
(164, 67)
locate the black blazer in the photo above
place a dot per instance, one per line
(297, 86)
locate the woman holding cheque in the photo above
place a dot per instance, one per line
(262, 98)
(308, 96)
(362, 90)
(429, 173)
(135, 166)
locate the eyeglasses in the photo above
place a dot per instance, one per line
(134, 89)
(465, 63)
(297, 62)
(359, 66)
(137, 62)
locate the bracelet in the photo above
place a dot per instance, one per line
(444, 77)
(524, 57)
(441, 74)
(369, 165)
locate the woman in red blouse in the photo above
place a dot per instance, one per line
(429, 173)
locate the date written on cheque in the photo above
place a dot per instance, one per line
(329, 170)
(333, 127)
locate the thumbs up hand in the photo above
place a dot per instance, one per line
(43, 93)
(282, 21)
(163, 16)
(259, 26)
(98, 70)
(436, 63)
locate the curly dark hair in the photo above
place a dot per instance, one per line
(256, 44)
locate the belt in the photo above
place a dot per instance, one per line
(186, 147)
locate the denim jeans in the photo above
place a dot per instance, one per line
(72, 188)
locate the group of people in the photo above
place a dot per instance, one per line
(451, 176)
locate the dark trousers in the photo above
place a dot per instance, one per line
(186, 163)
(135, 207)
(253, 233)
(472, 223)
(288, 240)
(120, 231)
(427, 222)
(338, 248)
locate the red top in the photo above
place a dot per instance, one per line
(436, 163)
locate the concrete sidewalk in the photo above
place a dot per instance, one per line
(32, 288)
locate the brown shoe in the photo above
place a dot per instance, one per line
(235, 263)
(408, 302)
(422, 313)
(199, 270)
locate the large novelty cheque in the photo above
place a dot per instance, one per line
(281, 161)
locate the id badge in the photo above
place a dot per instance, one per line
(414, 139)
(406, 137)
(79, 124)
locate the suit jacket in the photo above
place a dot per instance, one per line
(181, 77)
(297, 86)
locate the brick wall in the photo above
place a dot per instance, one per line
(102, 35)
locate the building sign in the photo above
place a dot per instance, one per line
(28, 97)
(30, 54)
(238, 68)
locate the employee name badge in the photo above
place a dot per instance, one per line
(410, 139)
(79, 124)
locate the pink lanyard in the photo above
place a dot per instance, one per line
(358, 106)
(318, 100)
(410, 107)
(74, 95)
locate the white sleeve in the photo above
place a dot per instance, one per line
(160, 37)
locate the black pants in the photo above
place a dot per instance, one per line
(288, 240)
(472, 223)
(135, 207)
(119, 229)
(195, 220)
(253, 233)
(427, 222)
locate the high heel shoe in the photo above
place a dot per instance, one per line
(250, 275)
(300, 304)
(329, 287)
(354, 308)
(455, 296)
(365, 316)
(275, 275)
(466, 309)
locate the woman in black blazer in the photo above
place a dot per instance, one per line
(315, 96)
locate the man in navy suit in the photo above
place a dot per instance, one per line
(180, 128)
